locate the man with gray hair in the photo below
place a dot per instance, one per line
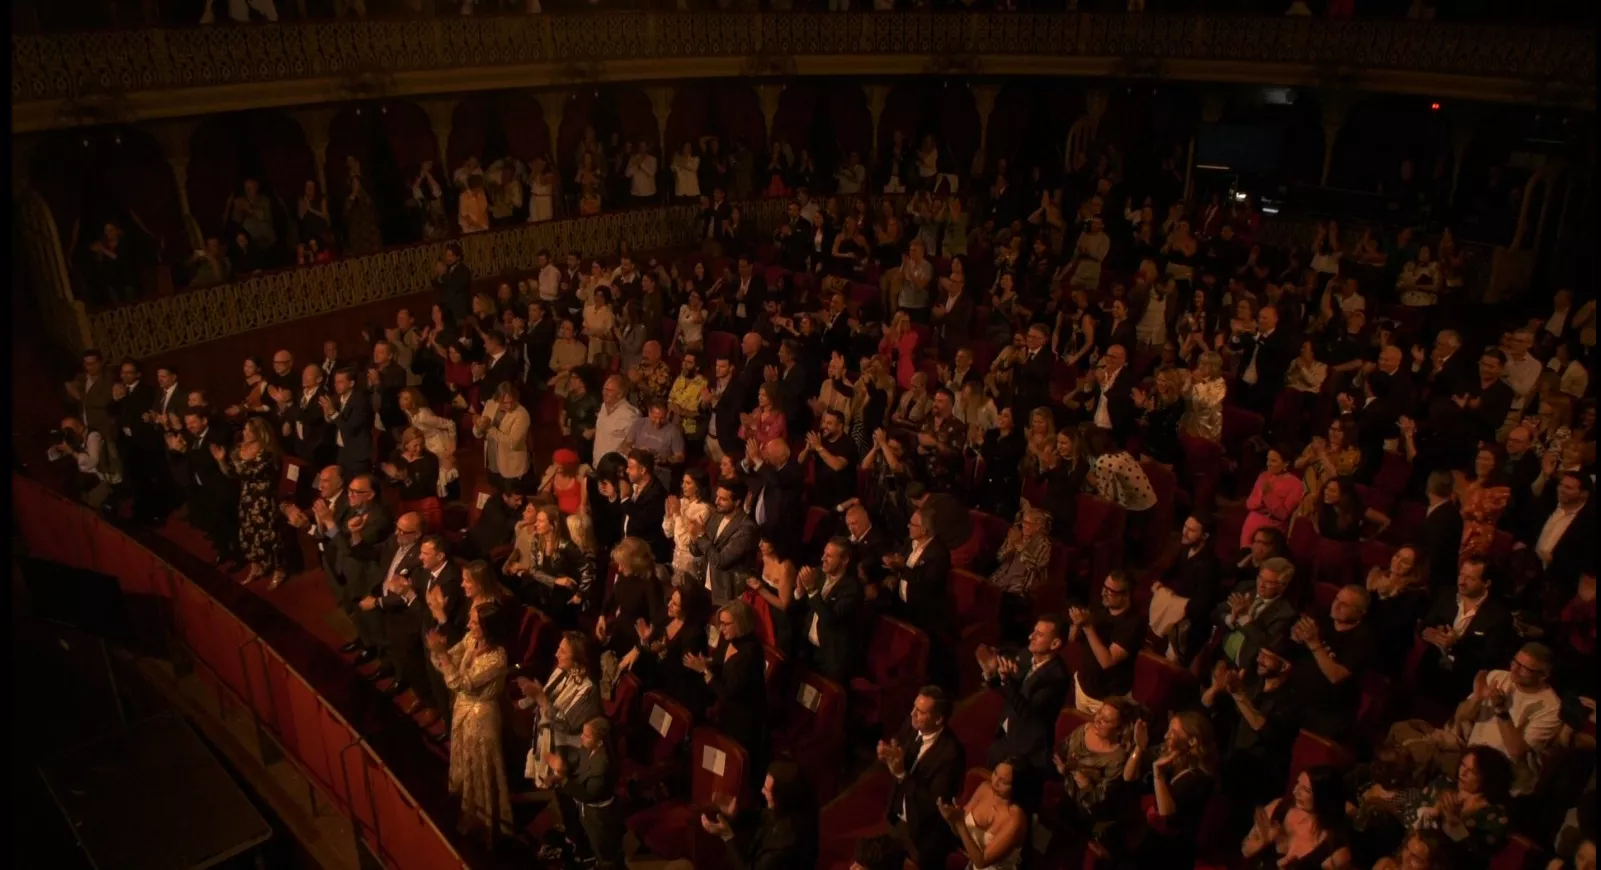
(1256, 613)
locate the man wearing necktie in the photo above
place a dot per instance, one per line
(1256, 613)
(1033, 381)
(1034, 686)
(927, 762)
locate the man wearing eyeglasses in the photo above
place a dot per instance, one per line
(1111, 634)
(1514, 711)
(356, 542)
(397, 585)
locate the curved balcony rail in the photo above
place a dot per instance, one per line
(366, 58)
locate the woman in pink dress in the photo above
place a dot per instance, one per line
(1482, 496)
(898, 348)
(767, 422)
(1274, 499)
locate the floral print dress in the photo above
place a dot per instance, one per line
(259, 540)
(476, 677)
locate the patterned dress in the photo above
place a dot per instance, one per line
(259, 540)
(477, 677)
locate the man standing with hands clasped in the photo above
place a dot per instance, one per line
(1034, 685)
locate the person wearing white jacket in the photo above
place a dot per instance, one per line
(439, 434)
(504, 428)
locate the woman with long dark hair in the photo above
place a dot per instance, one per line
(784, 837)
(1304, 831)
(474, 670)
(254, 462)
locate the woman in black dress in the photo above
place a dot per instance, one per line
(1002, 449)
(783, 837)
(658, 659)
(735, 669)
(1183, 778)
(254, 462)
(553, 573)
(416, 472)
(635, 595)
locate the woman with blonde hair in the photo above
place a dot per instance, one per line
(439, 435)
(635, 595)
(567, 353)
(416, 472)
(1203, 415)
(254, 462)
(915, 404)
(563, 578)
(1041, 440)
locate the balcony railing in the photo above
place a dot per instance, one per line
(71, 66)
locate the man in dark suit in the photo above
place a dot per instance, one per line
(792, 387)
(1109, 395)
(928, 762)
(1447, 371)
(455, 284)
(831, 614)
(1034, 685)
(1467, 631)
(329, 510)
(539, 337)
(953, 524)
(350, 413)
(131, 399)
(331, 361)
(727, 403)
(1266, 357)
(440, 578)
(385, 380)
(755, 360)
(500, 366)
(777, 495)
(91, 390)
(750, 291)
(794, 239)
(213, 497)
(1032, 381)
(643, 505)
(307, 434)
(1522, 469)
(1561, 527)
(1439, 540)
(1257, 614)
(727, 542)
(385, 626)
(835, 325)
(355, 542)
(497, 521)
(869, 545)
(918, 591)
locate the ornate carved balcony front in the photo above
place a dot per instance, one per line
(69, 79)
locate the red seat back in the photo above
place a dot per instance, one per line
(719, 766)
(1374, 554)
(897, 655)
(1370, 711)
(290, 475)
(1160, 523)
(1394, 472)
(721, 344)
(1323, 596)
(814, 516)
(482, 493)
(976, 776)
(973, 599)
(535, 634)
(1311, 750)
(620, 709)
(1067, 722)
(666, 723)
(1303, 543)
(1239, 426)
(1334, 561)
(1159, 684)
(994, 528)
(815, 711)
(1516, 854)
(1203, 461)
(1405, 520)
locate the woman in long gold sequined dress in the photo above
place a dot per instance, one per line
(475, 672)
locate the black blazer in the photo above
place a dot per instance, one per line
(926, 601)
(1273, 355)
(456, 290)
(208, 488)
(867, 556)
(306, 419)
(507, 369)
(788, 843)
(1574, 552)
(1119, 402)
(836, 618)
(354, 424)
(641, 517)
(1486, 644)
(1032, 381)
(1439, 541)
(386, 397)
(130, 407)
(934, 776)
(740, 684)
(1034, 698)
(779, 491)
(454, 628)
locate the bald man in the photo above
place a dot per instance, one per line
(386, 598)
(776, 497)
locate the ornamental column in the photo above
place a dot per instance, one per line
(661, 104)
(1463, 120)
(768, 96)
(1336, 109)
(877, 98)
(553, 104)
(984, 101)
(1095, 102)
(174, 137)
(441, 116)
(314, 123)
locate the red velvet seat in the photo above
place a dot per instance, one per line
(1303, 541)
(1518, 853)
(1374, 554)
(1203, 467)
(1334, 562)
(536, 641)
(671, 828)
(1159, 524)
(861, 293)
(1159, 684)
(1405, 521)
(654, 743)
(897, 664)
(1393, 474)
(812, 731)
(1098, 527)
(983, 354)
(290, 475)
(814, 516)
(1323, 597)
(995, 528)
(721, 344)
(1371, 719)
(977, 606)
(1067, 722)
(1310, 750)
(963, 556)
(1063, 378)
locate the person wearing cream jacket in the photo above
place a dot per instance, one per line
(504, 428)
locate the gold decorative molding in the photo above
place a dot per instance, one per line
(58, 78)
(197, 316)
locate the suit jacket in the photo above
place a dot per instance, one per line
(353, 423)
(96, 403)
(127, 410)
(496, 527)
(725, 414)
(1273, 355)
(356, 557)
(1034, 698)
(922, 597)
(507, 369)
(776, 844)
(386, 397)
(510, 444)
(1439, 541)
(208, 489)
(410, 567)
(956, 324)
(311, 436)
(642, 518)
(456, 290)
(1487, 641)
(777, 496)
(1269, 627)
(1574, 552)
(755, 294)
(1032, 381)
(1119, 403)
(835, 617)
(792, 389)
(794, 247)
(936, 775)
(729, 548)
(454, 628)
(867, 556)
